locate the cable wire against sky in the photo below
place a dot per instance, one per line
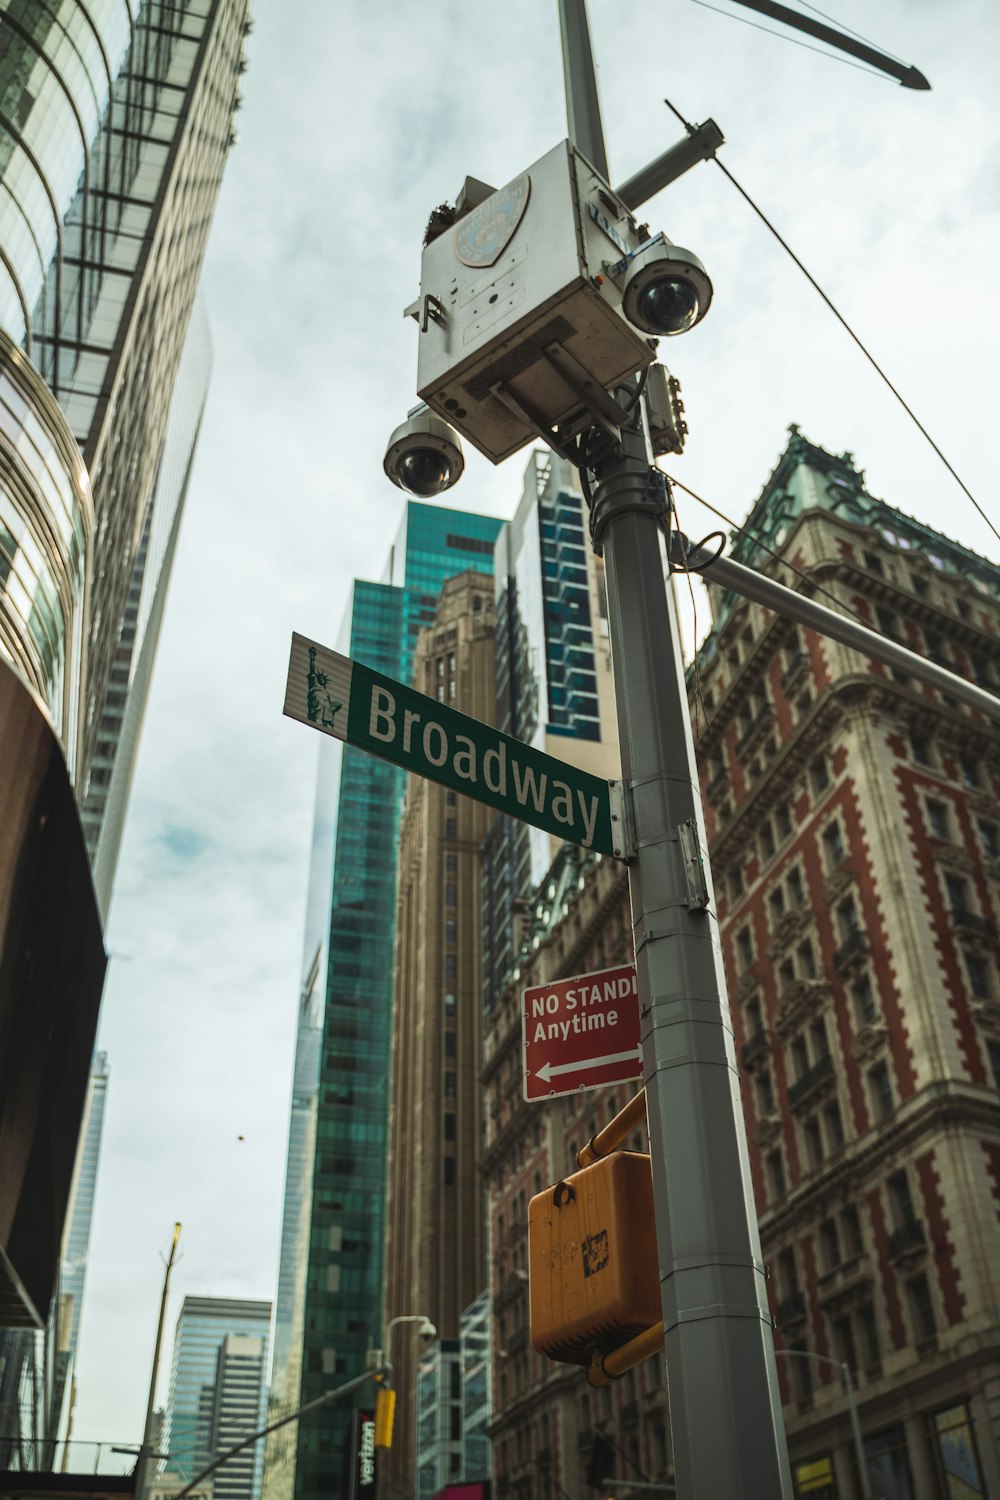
(850, 29)
(842, 321)
(745, 21)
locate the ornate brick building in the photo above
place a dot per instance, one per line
(854, 821)
(855, 834)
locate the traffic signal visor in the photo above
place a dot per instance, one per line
(594, 1281)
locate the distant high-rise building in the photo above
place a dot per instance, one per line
(435, 1261)
(115, 125)
(289, 1308)
(76, 1244)
(554, 685)
(342, 1313)
(237, 1412)
(217, 1339)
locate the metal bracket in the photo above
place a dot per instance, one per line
(431, 307)
(694, 865)
(621, 823)
(605, 410)
(527, 413)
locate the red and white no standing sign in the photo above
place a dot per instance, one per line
(581, 1033)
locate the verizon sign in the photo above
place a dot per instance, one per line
(581, 1033)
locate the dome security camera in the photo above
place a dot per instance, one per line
(427, 1330)
(666, 289)
(424, 455)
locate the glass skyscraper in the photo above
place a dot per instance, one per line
(116, 120)
(554, 685)
(341, 1308)
(215, 1337)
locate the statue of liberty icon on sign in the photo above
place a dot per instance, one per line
(321, 706)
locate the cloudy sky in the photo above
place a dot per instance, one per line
(357, 121)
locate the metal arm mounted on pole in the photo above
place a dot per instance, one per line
(729, 574)
(725, 1408)
(292, 1416)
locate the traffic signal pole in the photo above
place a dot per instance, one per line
(725, 1409)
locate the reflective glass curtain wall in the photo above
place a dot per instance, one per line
(342, 1317)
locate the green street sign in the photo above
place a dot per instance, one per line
(387, 718)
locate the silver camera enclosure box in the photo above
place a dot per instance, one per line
(530, 268)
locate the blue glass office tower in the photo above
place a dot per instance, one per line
(201, 1383)
(342, 1312)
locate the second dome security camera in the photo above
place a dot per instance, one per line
(666, 289)
(424, 455)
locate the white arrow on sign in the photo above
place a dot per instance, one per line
(548, 1071)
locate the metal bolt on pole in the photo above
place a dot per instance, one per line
(725, 1408)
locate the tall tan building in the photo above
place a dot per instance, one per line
(435, 1258)
(854, 822)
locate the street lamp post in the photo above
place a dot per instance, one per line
(427, 1331)
(852, 1409)
(725, 1408)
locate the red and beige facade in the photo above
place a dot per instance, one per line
(854, 825)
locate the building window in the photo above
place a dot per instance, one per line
(956, 1457)
(796, 888)
(765, 1089)
(450, 1044)
(923, 1322)
(735, 883)
(993, 1054)
(449, 1171)
(807, 959)
(978, 971)
(969, 769)
(834, 1126)
(989, 839)
(937, 819)
(833, 845)
(870, 1340)
(744, 947)
(783, 820)
(819, 775)
(450, 827)
(847, 915)
(958, 893)
(450, 968)
(864, 1000)
(451, 863)
(880, 1088)
(449, 1127)
(844, 1336)
(920, 749)
(900, 1199)
(767, 845)
(449, 1086)
(814, 1141)
(450, 893)
(776, 1181)
(450, 931)
(776, 904)
(449, 1002)
(830, 1243)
